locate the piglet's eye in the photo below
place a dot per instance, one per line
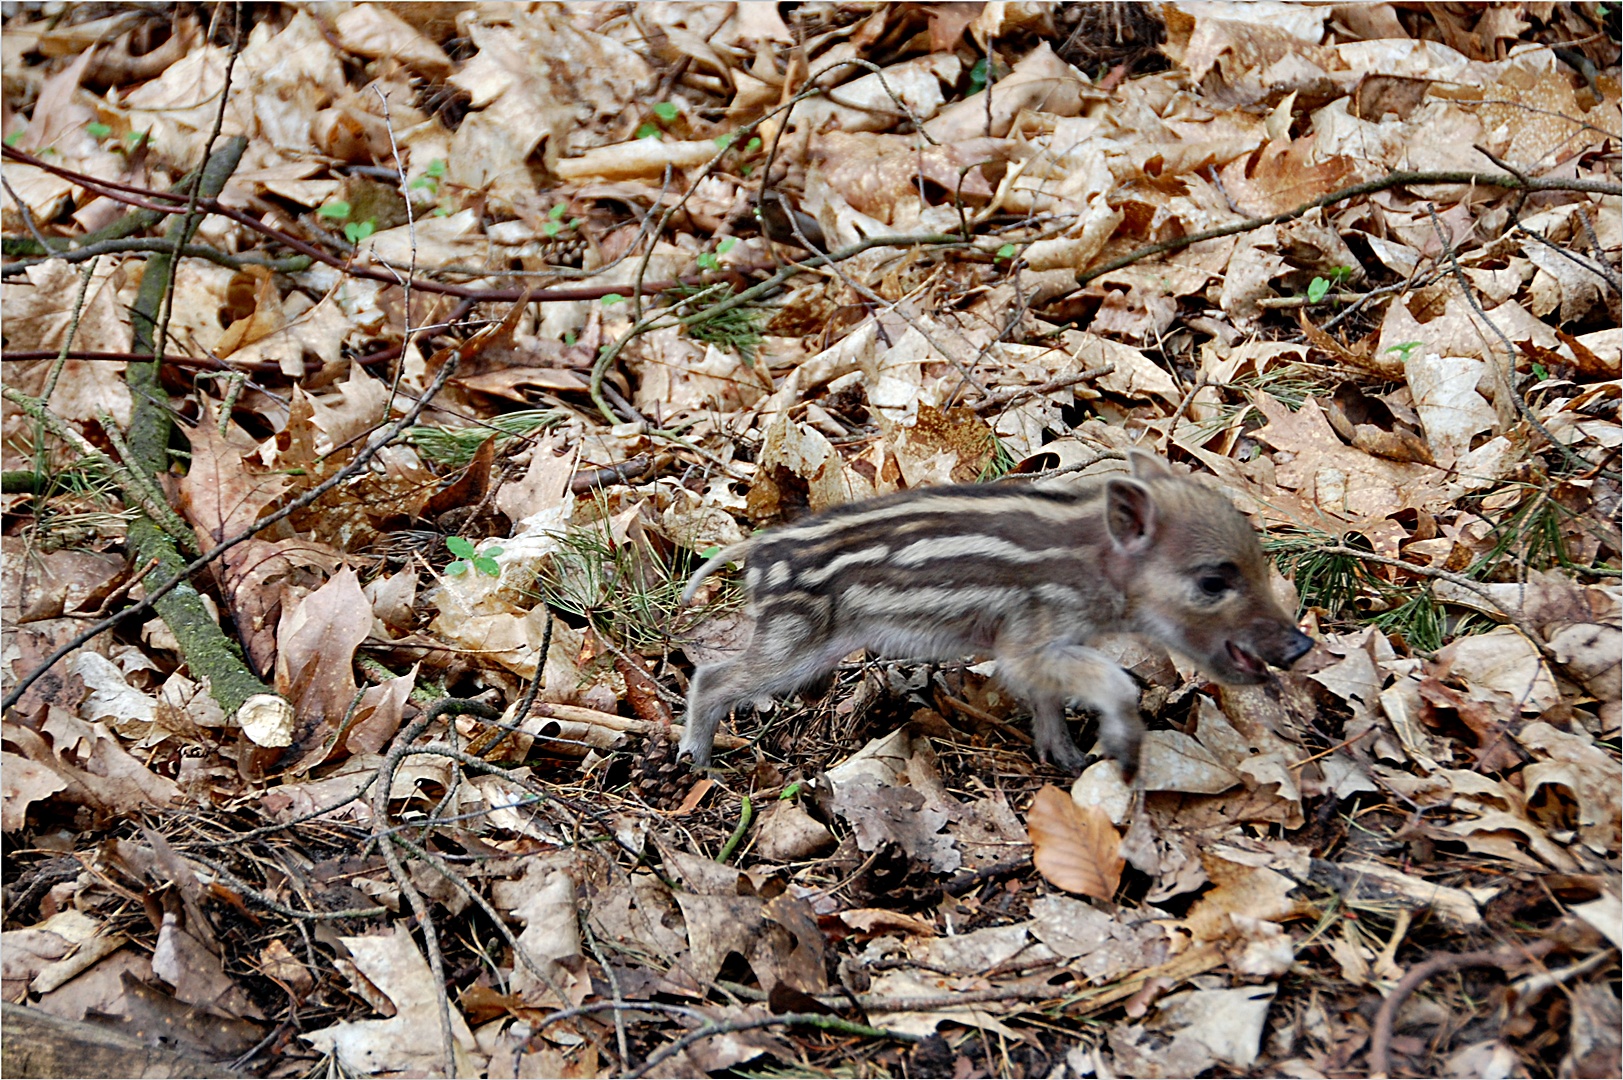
(1216, 582)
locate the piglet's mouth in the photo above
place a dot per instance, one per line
(1247, 662)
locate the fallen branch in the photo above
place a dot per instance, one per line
(293, 264)
(1515, 619)
(208, 653)
(1001, 398)
(450, 358)
(1380, 1039)
(1368, 187)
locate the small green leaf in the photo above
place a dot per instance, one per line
(1405, 349)
(1540, 372)
(1317, 289)
(574, 223)
(1006, 252)
(436, 168)
(493, 551)
(458, 567)
(724, 141)
(725, 244)
(977, 76)
(710, 552)
(552, 228)
(610, 299)
(460, 546)
(647, 131)
(440, 211)
(421, 182)
(557, 212)
(336, 209)
(569, 337)
(666, 111)
(134, 137)
(790, 792)
(753, 145)
(1341, 275)
(11, 140)
(707, 260)
(487, 566)
(98, 130)
(356, 231)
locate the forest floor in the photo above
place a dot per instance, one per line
(351, 484)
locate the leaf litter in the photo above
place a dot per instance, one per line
(680, 272)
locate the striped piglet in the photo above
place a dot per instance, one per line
(1030, 575)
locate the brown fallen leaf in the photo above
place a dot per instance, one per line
(1074, 847)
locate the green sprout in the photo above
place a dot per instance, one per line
(484, 562)
(978, 76)
(555, 223)
(431, 177)
(709, 260)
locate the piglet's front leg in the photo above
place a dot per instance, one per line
(1046, 675)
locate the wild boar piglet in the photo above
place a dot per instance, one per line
(1030, 575)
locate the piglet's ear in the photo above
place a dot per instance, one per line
(1146, 466)
(1130, 515)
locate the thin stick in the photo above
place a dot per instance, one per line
(1390, 180)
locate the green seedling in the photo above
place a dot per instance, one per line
(710, 260)
(430, 180)
(977, 76)
(1405, 350)
(555, 222)
(484, 562)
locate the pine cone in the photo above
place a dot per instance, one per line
(659, 777)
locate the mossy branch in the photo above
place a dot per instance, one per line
(207, 651)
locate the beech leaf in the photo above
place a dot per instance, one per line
(1075, 847)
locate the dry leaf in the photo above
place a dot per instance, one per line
(1074, 847)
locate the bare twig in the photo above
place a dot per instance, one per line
(1390, 180)
(1380, 1039)
(1004, 398)
(821, 1021)
(290, 265)
(1508, 370)
(1462, 581)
